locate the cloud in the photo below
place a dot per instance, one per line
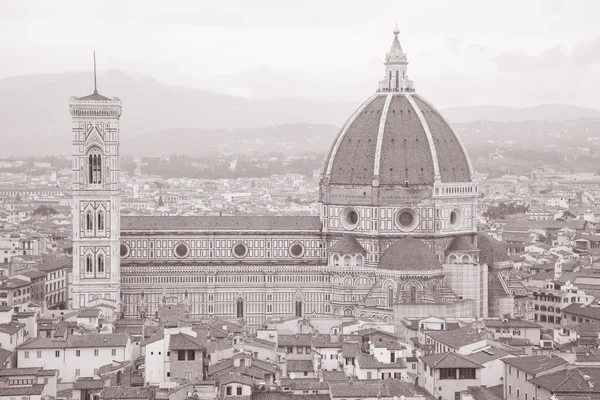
(457, 46)
(586, 52)
(519, 61)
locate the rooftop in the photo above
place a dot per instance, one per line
(77, 341)
(457, 338)
(533, 365)
(449, 360)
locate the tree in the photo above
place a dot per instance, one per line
(44, 210)
(568, 214)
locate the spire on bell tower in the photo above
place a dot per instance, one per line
(95, 86)
(396, 77)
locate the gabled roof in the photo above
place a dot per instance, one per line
(33, 371)
(487, 355)
(570, 381)
(12, 327)
(509, 323)
(236, 378)
(482, 393)
(533, 365)
(122, 392)
(299, 339)
(300, 366)
(182, 341)
(77, 341)
(88, 384)
(449, 360)
(457, 338)
(304, 383)
(350, 350)
(33, 390)
(370, 362)
(583, 311)
(89, 313)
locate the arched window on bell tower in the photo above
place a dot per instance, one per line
(94, 166)
(239, 308)
(100, 264)
(89, 265)
(298, 308)
(100, 220)
(89, 221)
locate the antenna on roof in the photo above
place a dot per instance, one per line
(95, 86)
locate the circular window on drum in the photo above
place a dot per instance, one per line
(349, 218)
(181, 250)
(124, 250)
(456, 219)
(239, 250)
(407, 219)
(296, 250)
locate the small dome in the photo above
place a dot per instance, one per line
(491, 250)
(15, 235)
(409, 254)
(347, 244)
(462, 243)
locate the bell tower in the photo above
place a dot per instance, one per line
(96, 201)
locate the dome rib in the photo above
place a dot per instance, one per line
(434, 156)
(461, 144)
(384, 113)
(332, 153)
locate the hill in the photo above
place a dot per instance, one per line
(36, 118)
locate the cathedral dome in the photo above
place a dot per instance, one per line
(396, 137)
(409, 254)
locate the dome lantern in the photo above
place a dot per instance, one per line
(396, 77)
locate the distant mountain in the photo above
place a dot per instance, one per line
(172, 119)
(35, 115)
(545, 112)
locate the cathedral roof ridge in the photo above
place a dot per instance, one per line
(238, 222)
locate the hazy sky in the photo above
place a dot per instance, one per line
(461, 52)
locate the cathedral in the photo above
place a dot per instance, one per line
(396, 235)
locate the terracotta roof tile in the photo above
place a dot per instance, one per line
(533, 365)
(181, 341)
(449, 360)
(122, 392)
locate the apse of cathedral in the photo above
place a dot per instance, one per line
(395, 237)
